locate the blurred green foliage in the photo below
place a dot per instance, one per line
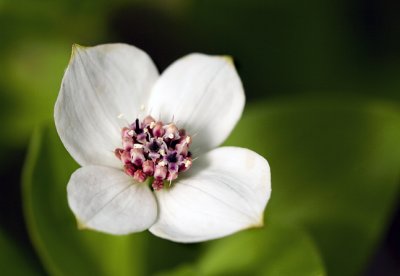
(14, 261)
(329, 128)
(273, 250)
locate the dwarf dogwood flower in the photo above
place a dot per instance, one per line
(147, 145)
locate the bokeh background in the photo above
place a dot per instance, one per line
(322, 80)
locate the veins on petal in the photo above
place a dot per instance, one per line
(108, 203)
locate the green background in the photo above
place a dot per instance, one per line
(323, 89)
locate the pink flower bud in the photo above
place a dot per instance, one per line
(171, 132)
(158, 130)
(148, 167)
(157, 184)
(127, 143)
(139, 176)
(118, 153)
(160, 173)
(129, 169)
(137, 156)
(147, 121)
(126, 157)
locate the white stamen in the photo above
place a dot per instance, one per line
(188, 139)
(130, 132)
(152, 125)
(162, 163)
(188, 163)
(137, 146)
(171, 135)
(162, 152)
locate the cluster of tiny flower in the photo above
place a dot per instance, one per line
(152, 149)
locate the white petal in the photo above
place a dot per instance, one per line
(100, 84)
(226, 191)
(107, 200)
(203, 94)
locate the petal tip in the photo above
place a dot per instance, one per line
(228, 59)
(259, 223)
(75, 48)
(80, 224)
(256, 222)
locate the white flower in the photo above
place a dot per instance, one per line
(104, 90)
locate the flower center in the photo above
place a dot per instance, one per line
(152, 149)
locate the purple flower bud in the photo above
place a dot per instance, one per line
(137, 156)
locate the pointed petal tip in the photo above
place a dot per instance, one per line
(75, 48)
(255, 224)
(228, 59)
(259, 223)
(80, 224)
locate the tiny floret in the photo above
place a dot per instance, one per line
(142, 151)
